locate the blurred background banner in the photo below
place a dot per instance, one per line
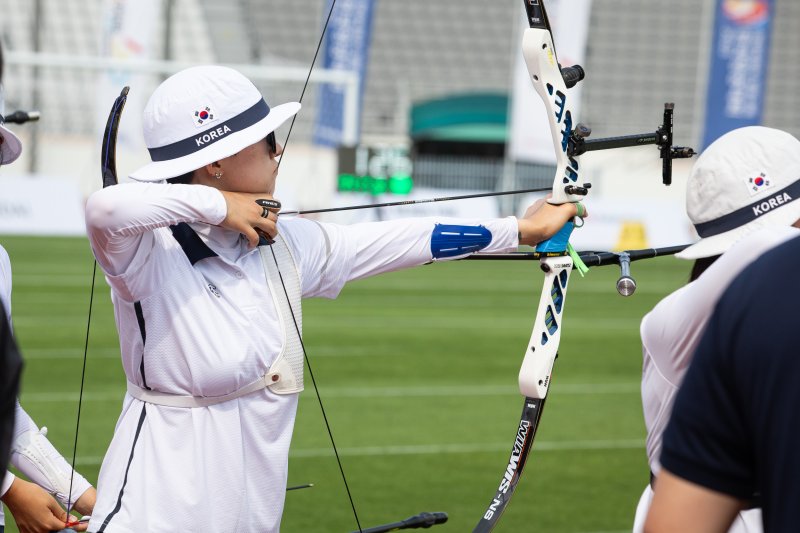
(43, 205)
(441, 87)
(471, 209)
(740, 54)
(346, 47)
(530, 138)
(127, 35)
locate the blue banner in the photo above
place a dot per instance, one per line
(346, 48)
(738, 70)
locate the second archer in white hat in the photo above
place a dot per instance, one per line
(743, 196)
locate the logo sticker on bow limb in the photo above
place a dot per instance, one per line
(757, 184)
(203, 116)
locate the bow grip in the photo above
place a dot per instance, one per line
(558, 242)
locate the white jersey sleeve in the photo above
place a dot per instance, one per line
(8, 479)
(671, 331)
(5, 281)
(120, 219)
(5, 297)
(34, 455)
(330, 255)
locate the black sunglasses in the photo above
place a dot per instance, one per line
(272, 144)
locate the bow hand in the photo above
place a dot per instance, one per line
(544, 221)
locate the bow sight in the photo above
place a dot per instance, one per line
(576, 137)
(662, 138)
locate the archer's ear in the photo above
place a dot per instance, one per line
(212, 168)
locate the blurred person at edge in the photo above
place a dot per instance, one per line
(742, 198)
(206, 315)
(734, 429)
(34, 510)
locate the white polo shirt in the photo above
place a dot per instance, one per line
(206, 330)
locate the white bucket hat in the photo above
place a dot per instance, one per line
(747, 179)
(201, 115)
(10, 145)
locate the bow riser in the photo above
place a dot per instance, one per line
(537, 365)
(542, 63)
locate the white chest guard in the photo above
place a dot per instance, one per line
(284, 285)
(285, 375)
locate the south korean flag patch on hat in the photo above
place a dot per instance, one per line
(203, 116)
(757, 184)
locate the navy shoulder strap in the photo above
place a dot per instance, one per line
(193, 246)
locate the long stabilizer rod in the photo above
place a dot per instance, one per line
(626, 285)
(589, 258)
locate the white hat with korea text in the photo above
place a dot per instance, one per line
(201, 115)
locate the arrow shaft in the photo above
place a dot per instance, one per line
(413, 202)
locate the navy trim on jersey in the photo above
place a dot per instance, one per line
(118, 506)
(137, 306)
(193, 246)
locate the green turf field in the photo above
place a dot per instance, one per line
(418, 374)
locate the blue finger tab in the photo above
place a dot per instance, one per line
(452, 241)
(558, 242)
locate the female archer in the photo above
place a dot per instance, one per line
(209, 321)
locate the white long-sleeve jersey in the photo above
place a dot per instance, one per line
(207, 329)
